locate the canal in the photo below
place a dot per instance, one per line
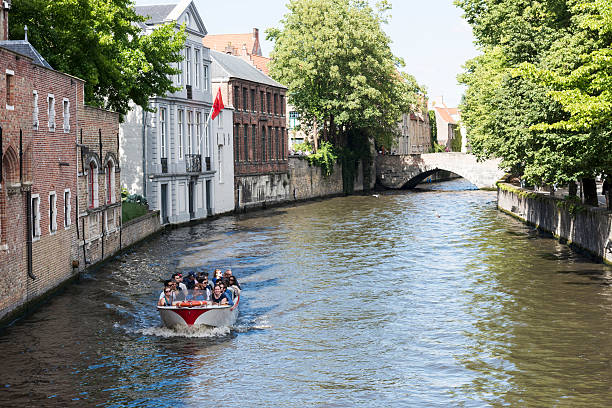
(429, 298)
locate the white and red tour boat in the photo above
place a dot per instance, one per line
(198, 313)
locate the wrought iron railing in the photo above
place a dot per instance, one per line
(193, 163)
(164, 164)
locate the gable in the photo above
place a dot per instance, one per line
(186, 13)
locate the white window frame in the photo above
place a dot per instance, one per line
(180, 113)
(163, 134)
(35, 110)
(189, 131)
(198, 127)
(110, 179)
(220, 162)
(67, 209)
(179, 77)
(66, 114)
(93, 202)
(35, 217)
(188, 66)
(51, 111)
(52, 212)
(10, 89)
(205, 77)
(197, 62)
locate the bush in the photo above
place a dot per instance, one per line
(325, 158)
(130, 210)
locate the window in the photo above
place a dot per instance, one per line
(66, 115)
(179, 76)
(282, 105)
(199, 131)
(263, 101)
(236, 97)
(220, 158)
(10, 91)
(254, 142)
(283, 144)
(163, 141)
(263, 143)
(277, 139)
(276, 104)
(51, 111)
(92, 185)
(180, 119)
(188, 65)
(237, 142)
(67, 209)
(35, 216)
(52, 212)
(35, 110)
(205, 77)
(293, 119)
(270, 143)
(246, 144)
(110, 182)
(253, 107)
(196, 57)
(189, 131)
(269, 102)
(245, 102)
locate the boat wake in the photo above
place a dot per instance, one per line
(188, 331)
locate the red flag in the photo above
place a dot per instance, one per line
(218, 105)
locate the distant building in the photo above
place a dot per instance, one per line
(415, 134)
(448, 124)
(245, 46)
(259, 130)
(168, 154)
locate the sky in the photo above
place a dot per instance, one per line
(429, 35)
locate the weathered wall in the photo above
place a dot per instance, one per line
(139, 228)
(307, 181)
(590, 228)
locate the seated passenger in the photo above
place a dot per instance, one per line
(203, 278)
(218, 297)
(190, 281)
(167, 283)
(233, 286)
(201, 292)
(216, 276)
(168, 298)
(227, 274)
(228, 293)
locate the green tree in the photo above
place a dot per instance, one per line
(100, 41)
(337, 64)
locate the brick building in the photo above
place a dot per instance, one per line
(259, 130)
(40, 114)
(414, 135)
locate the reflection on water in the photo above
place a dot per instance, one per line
(426, 298)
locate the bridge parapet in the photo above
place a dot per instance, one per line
(406, 171)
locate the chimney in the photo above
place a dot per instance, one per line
(256, 34)
(244, 50)
(4, 12)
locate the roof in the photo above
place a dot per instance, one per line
(445, 113)
(157, 13)
(261, 63)
(23, 47)
(228, 66)
(220, 42)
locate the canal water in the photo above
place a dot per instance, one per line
(427, 298)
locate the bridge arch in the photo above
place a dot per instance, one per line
(406, 171)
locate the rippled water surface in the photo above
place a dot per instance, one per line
(414, 299)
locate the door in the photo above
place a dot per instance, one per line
(191, 197)
(164, 203)
(208, 198)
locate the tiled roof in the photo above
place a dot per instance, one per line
(445, 114)
(262, 63)
(25, 48)
(220, 42)
(225, 66)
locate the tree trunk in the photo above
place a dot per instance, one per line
(590, 191)
(315, 136)
(607, 191)
(573, 189)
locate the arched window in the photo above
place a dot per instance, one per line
(92, 185)
(110, 182)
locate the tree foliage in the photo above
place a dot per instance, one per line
(540, 96)
(100, 41)
(336, 61)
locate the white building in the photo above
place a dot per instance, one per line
(168, 155)
(223, 139)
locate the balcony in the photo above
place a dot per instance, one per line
(193, 163)
(164, 164)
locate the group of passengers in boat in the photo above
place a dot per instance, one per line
(223, 291)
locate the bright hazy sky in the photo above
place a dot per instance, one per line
(429, 35)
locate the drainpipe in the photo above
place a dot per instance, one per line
(144, 153)
(28, 205)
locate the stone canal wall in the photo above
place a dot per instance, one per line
(587, 227)
(140, 228)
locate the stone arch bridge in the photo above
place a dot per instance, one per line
(406, 171)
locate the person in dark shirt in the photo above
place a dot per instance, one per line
(227, 274)
(191, 281)
(219, 297)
